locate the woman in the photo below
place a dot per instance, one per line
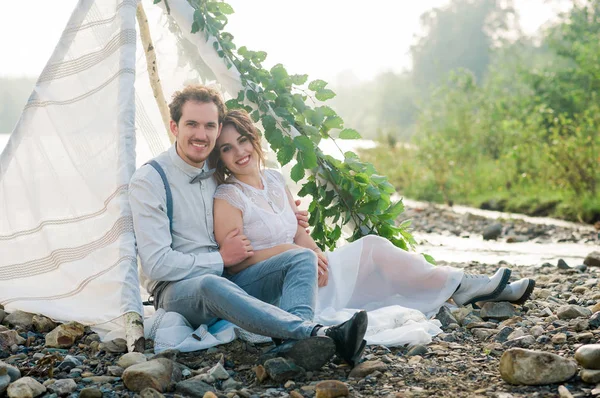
(369, 273)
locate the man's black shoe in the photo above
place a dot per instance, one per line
(348, 337)
(310, 354)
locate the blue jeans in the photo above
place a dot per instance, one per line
(246, 299)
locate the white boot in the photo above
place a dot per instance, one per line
(516, 292)
(475, 288)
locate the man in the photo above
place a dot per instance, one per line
(182, 263)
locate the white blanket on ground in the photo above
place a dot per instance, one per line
(389, 326)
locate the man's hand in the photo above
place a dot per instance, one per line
(235, 248)
(301, 216)
(323, 268)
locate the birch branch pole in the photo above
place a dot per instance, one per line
(153, 69)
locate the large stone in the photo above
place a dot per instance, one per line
(261, 373)
(281, 369)
(592, 259)
(366, 368)
(445, 316)
(157, 373)
(219, 372)
(194, 388)
(25, 387)
(11, 371)
(590, 376)
(588, 356)
(62, 387)
(572, 311)
(65, 335)
(499, 311)
(90, 392)
(4, 382)
(492, 231)
(42, 324)
(130, 359)
(2, 315)
(21, 319)
(9, 338)
(522, 342)
(116, 346)
(519, 366)
(331, 389)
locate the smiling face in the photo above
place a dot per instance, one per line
(237, 152)
(196, 132)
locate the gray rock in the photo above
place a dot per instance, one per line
(499, 311)
(115, 371)
(90, 392)
(62, 387)
(281, 370)
(417, 350)
(157, 373)
(470, 318)
(25, 387)
(581, 267)
(588, 356)
(572, 311)
(131, 358)
(590, 376)
(595, 320)
(11, 371)
(592, 259)
(492, 231)
(116, 346)
(231, 384)
(503, 334)
(562, 264)
(42, 324)
(2, 315)
(559, 338)
(536, 331)
(445, 316)
(194, 388)
(4, 382)
(9, 338)
(219, 372)
(522, 342)
(518, 366)
(151, 393)
(366, 368)
(21, 319)
(68, 363)
(483, 334)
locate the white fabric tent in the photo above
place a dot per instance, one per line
(66, 239)
(67, 247)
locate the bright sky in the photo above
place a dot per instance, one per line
(318, 37)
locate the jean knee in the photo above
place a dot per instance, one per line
(307, 259)
(209, 283)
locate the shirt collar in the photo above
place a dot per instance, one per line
(181, 164)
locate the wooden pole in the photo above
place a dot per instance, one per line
(153, 69)
(134, 332)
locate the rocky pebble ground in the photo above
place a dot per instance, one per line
(544, 348)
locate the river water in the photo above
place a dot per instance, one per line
(452, 248)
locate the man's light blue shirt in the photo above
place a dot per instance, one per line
(189, 250)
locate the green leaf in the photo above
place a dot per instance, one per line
(368, 208)
(429, 259)
(225, 8)
(251, 95)
(396, 209)
(304, 143)
(317, 85)
(259, 56)
(299, 79)
(297, 172)
(285, 155)
(307, 159)
(327, 111)
(195, 26)
(308, 189)
(269, 96)
(278, 72)
(334, 122)
(324, 94)
(349, 134)
(156, 1)
(255, 116)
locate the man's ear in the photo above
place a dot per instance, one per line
(219, 132)
(173, 127)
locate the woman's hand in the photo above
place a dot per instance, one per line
(323, 268)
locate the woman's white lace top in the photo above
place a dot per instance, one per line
(267, 215)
